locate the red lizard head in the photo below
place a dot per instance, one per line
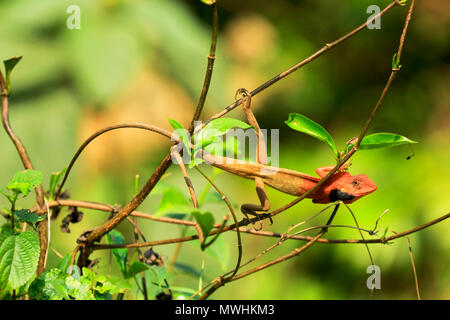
(345, 187)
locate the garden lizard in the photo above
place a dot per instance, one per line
(340, 186)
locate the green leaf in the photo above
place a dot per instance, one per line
(219, 250)
(54, 180)
(9, 66)
(183, 134)
(205, 220)
(187, 269)
(64, 264)
(135, 268)
(216, 128)
(12, 198)
(24, 215)
(305, 125)
(25, 181)
(208, 2)
(396, 62)
(120, 255)
(157, 274)
(173, 201)
(383, 140)
(19, 255)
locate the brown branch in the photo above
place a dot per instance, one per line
(23, 154)
(108, 208)
(209, 68)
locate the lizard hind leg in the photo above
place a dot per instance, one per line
(264, 206)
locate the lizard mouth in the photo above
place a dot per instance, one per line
(336, 195)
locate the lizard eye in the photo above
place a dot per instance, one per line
(355, 183)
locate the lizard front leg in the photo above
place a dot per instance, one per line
(261, 158)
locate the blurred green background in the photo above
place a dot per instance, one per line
(144, 60)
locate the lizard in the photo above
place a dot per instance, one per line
(340, 186)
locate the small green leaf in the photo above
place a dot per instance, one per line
(64, 264)
(11, 197)
(205, 220)
(19, 255)
(305, 125)
(216, 128)
(208, 2)
(25, 181)
(25, 215)
(120, 255)
(135, 268)
(183, 134)
(54, 180)
(157, 274)
(9, 66)
(383, 140)
(396, 62)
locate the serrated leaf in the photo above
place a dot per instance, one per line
(25, 181)
(25, 215)
(19, 255)
(9, 66)
(383, 140)
(305, 125)
(120, 255)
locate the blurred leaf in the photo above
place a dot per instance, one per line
(187, 269)
(54, 180)
(24, 215)
(25, 181)
(183, 134)
(64, 264)
(157, 275)
(305, 125)
(100, 65)
(208, 2)
(173, 201)
(9, 66)
(19, 255)
(216, 128)
(220, 251)
(135, 268)
(120, 255)
(205, 220)
(383, 140)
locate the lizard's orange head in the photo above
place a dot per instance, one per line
(350, 188)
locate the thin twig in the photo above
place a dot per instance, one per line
(39, 190)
